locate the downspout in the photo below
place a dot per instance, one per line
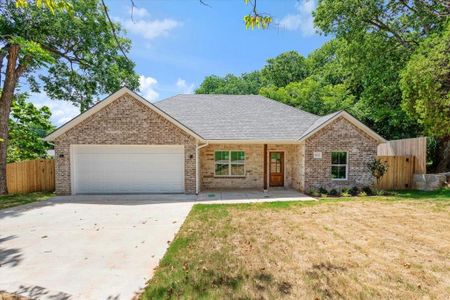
(197, 167)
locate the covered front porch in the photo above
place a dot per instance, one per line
(257, 167)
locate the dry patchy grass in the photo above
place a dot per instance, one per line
(360, 249)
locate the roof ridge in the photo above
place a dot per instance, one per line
(246, 95)
(292, 107)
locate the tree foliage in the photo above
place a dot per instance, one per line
(425, 83)
(312, 95)
(255, 18)
(78, 51)
(247, 83)
(283, 69)
(27, 126)
(377, 168)
(406, 22)
(52, 5)
(74, 56)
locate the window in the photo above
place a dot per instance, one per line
(229, 163)
(339, 165)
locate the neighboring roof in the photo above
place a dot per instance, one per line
(229, 118)
(238, 117)
(81, 117)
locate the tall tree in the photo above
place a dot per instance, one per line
(283, 69)
(247, 83)
(312, 95)
(27, 126)
(425, 84)
(382, 37)
(73, 55)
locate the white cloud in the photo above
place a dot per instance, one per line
(147, 87)
(149, 29)
(303, 20)
(62, 111)
(139, 12)
(184, 87)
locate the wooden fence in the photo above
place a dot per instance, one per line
(399, 174)
(31, 176)
(416, 147)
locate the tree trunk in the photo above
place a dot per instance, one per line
(443, 155)
(7, 95)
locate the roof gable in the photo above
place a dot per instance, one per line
(102, 104)
(326, 120)
(229, 118)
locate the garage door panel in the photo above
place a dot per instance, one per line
(128, 169)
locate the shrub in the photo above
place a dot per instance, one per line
(368, 190)
(345, 190)
(353, 191)
(362, 194)
(383, 193)
(333, 192)
(314, 193)
(345, 194)
(323, 190)
(377, 168)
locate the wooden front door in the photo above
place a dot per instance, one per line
(276, 169)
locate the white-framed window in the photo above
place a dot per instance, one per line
(339, 165)
(229, 163)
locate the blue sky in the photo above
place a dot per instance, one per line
(176, 43)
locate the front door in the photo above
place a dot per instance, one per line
(276, 169)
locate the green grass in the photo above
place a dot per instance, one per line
(7, 201)
(200, 262)
(443, 194)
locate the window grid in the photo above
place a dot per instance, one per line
(229, 163)
(339, 165)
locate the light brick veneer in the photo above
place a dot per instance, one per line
(125, 121)
(340, 135)
(254, 166)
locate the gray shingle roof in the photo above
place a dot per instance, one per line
(318, 122)
(239, 117)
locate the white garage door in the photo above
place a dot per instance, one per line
(110, 169)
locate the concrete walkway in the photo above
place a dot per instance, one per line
(97, 247)
(251, 195)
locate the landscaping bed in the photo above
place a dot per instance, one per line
(363, 247)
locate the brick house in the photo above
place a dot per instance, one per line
(191, 143)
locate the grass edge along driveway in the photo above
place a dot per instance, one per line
(361, 247)
(11, 200)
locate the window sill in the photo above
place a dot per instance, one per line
(230, 176)
(339, 179)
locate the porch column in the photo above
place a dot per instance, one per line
(265, 167)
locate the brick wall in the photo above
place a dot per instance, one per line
(124, 121)
(254, 166)
(341, 135)
(298, 167)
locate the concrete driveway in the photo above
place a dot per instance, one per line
(87, 247)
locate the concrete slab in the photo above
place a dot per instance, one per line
(99, 246)
(84, 247)
(252, 195)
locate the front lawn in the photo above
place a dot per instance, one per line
(20, 199)
(368, 247)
